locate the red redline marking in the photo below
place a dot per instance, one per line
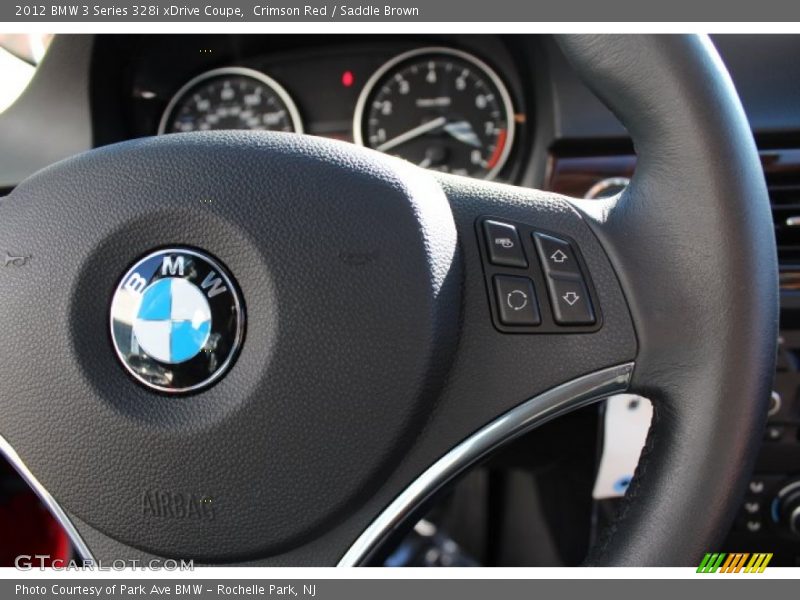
(498, 149)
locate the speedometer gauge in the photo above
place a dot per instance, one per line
(439, 108)
(231, 98)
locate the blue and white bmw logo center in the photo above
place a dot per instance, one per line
(177, 321)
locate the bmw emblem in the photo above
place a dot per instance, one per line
(177, 321)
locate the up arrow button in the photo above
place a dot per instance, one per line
(558, 257)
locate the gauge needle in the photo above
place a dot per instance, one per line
(463, 132)
(412, 133)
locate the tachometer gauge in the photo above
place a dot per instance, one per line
(231, 98)
(439, 108)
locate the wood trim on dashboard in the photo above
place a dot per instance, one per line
(575, 175)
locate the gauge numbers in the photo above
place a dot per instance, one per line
(231, 98)
(439, 108)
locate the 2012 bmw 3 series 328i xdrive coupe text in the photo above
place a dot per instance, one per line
(401, 299)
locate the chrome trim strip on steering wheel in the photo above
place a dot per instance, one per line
(527, 416)
(58, 513)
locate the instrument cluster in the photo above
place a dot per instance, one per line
(456, 108)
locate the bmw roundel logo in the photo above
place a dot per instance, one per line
(177, 321)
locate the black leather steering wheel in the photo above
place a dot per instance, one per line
(380, 359)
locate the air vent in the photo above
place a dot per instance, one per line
(784, 194)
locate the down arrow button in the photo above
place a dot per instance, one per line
(571, 303)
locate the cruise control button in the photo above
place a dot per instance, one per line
(556, 254)
(571, 303)
(516, 300)
(504, 245)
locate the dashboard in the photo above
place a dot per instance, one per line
(455, 105)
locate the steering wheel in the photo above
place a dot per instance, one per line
(394, 326)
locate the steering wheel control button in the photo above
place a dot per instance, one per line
(571, 303)
(550, 264)
(516, 300)
(504, 245)
(556, 255)
(177, 320)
